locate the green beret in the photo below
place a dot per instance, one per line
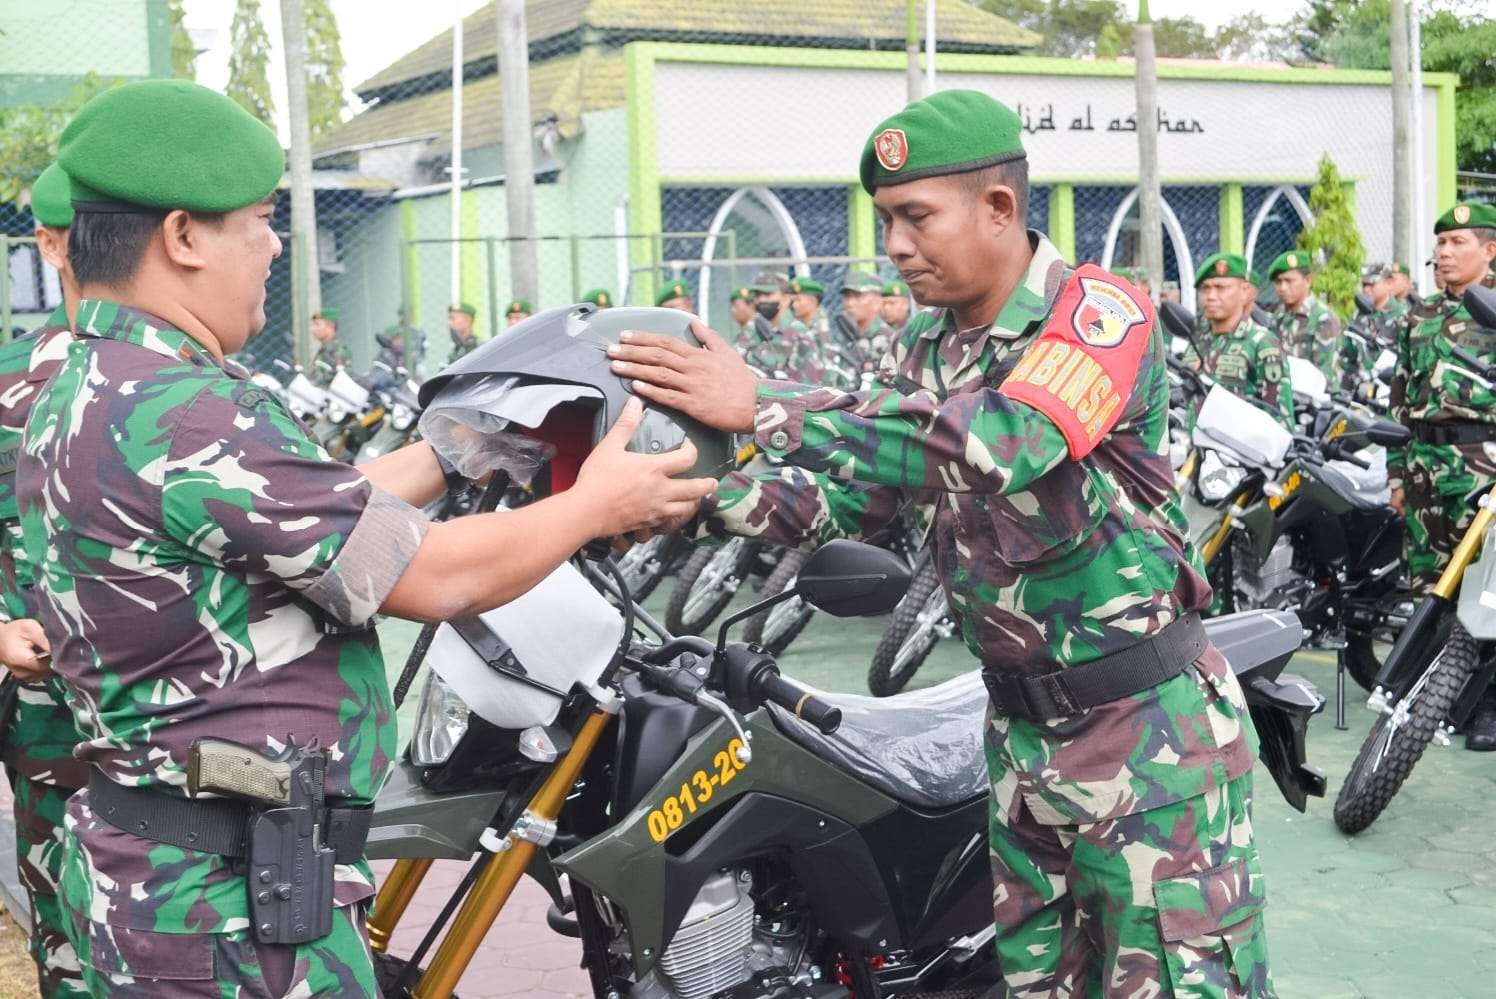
(331, 315)
(52, 199)
(600, 297)
(518, 305)
(806, 286)
(675, 289)
(1293, 260)
(1467, 215)
(896, 287)
(744, 294)
(1396, 267)
(860, 281)
(1222, 265)
(169, 144)
(464, 307)
(951, 131)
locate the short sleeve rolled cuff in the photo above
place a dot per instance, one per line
(377, 553)
(779, 422)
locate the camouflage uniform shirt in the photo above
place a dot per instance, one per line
(1312, 332)
(1249, 361)
(38, 743)
(1048, 561)
(203, 569)
(331, 356)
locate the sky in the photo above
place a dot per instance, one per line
(377, 32)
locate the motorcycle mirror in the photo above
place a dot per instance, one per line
(1364, 305)
(851, 579)
(1177, 319)
(1388, 434)
(1481, 301)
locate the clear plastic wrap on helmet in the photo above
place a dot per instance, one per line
(477, 443)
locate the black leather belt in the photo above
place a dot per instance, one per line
(1453, 432)
(1070, 691)
(209, 825)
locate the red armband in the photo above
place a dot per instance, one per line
(1081, 370)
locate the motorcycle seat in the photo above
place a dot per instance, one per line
(1363, 490)
(922, 747)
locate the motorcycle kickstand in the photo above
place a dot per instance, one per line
(1340, 725)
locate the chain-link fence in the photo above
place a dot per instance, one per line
(703, 141)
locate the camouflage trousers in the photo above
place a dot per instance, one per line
(1437, 483)
(39, 811)
(234, 966)
(1163, 902)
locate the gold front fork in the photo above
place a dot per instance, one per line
(1448, 585)
(496, 883)
(394, 896)
(1214, 543)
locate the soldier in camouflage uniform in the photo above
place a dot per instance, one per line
(1036, 421)
(333, 354)
(896, 306)
(675, 295)
(1451, 411)
(1403, 298)
(741, 307)
(862, 303)
(156, 479)
(460, 319)
(1239, 354)
(38, 736)
(1306, 326)
(519, 310)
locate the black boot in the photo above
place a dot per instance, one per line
(1480, 730)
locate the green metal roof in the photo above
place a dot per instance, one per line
(556, 25)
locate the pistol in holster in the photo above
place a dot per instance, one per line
(289, 864)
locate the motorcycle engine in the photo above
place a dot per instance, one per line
(720, 947)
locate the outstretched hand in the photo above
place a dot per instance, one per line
(710, 383)
(631, 492)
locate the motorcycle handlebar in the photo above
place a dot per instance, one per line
(806, 706)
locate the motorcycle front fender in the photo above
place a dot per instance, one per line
(410, 821)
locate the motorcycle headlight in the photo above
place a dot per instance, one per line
(401, 417)
(441, 722)
(1218, 479)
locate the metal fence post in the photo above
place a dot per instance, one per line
(4, 288)
(576, 267)
(493, 289)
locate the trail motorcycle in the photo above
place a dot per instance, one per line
(1301, 521)
(724, 831)
(399, 410)
(1444, 659)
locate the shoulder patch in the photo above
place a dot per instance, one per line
(1081, 370)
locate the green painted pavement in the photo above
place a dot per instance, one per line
(1406, 909)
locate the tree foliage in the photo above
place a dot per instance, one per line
(1102, 29)
(249, 62)
(1334, 239)
(183, 50)
(31, 135)
(324, 68)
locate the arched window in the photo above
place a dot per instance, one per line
(761, 227)
(1122, 244)
(1275, 228)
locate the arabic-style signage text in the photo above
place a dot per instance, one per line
(1042, 119)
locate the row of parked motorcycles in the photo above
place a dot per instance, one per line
(708, 828)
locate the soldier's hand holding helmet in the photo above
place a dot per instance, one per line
(711, 383)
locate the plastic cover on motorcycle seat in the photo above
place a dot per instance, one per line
(1307, 379)
(562, 632)
(1364, 488)
(923, 747)
(1231, 423)
(348, 391)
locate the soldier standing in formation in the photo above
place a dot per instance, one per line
(1239, 354)
(675, 295)
(1400, 281)
(805, 302)
(37, 735)
(740, 306)
(1306, 326)
(519, 310)
(862, 302)
(1121, 833)
(1451, 411)
(896, 306)
(261, 561)
(600, 297)
(333, 355)
(460, 319)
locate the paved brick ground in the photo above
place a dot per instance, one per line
(1407, 909)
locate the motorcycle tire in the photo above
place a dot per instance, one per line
(1392, 748)
(896, 660)
(790, 618)
(645, 566)
(1361, 659)
(687, 616)
(387, 972)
